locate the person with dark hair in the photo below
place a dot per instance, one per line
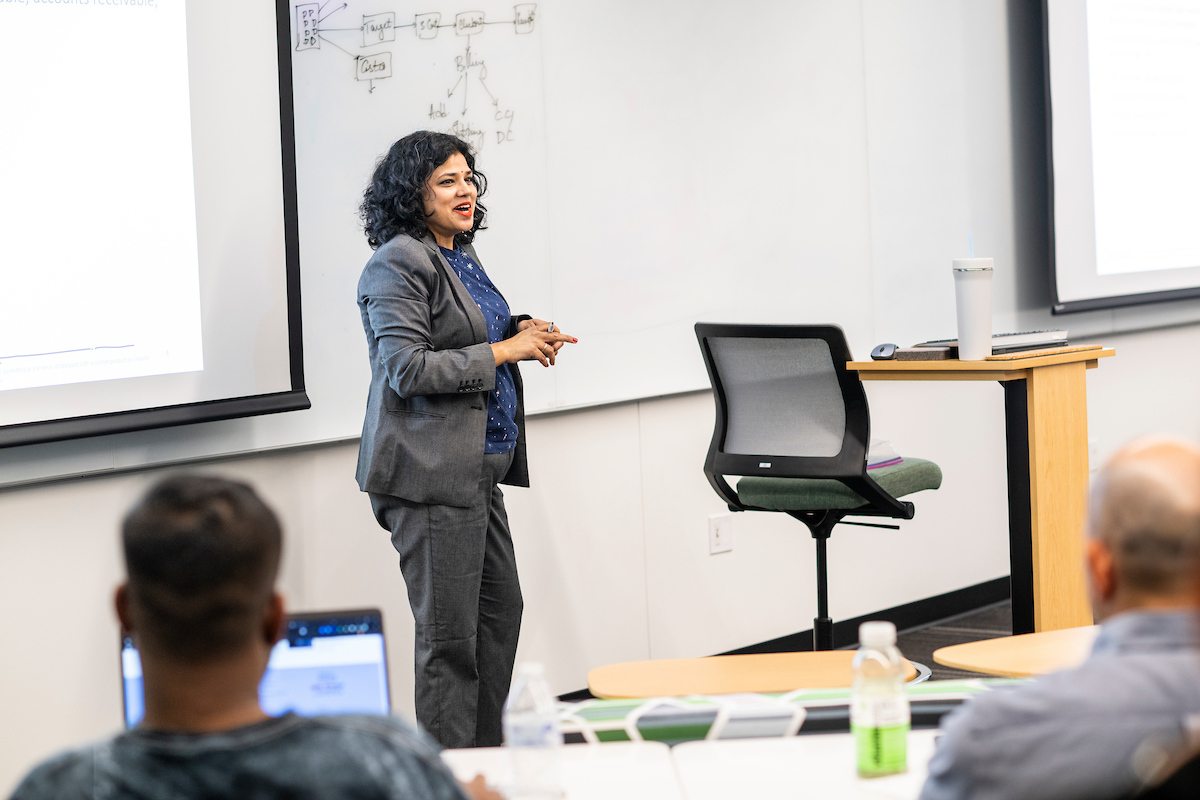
(201, 554)
(1102, 730)
(445, 426)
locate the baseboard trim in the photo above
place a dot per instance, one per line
(905, 617)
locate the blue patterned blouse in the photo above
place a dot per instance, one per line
(502, 403)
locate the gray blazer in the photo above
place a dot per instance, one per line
(431, 364)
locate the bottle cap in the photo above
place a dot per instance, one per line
(877, 634)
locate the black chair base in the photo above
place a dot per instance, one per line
(822, 633)
(820, 524)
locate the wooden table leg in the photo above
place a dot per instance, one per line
(1058, 485)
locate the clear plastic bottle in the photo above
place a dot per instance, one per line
(879, 712)
(532, 732)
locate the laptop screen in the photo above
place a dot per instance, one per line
(325, 663)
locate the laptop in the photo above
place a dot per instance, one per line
(327, 662)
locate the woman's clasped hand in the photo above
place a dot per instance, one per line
(534, 341)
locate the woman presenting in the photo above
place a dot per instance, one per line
(444, 426)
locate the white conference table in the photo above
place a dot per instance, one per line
(794, 766)
(621, 770)
(809, 766)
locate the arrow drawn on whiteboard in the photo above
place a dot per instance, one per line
(466, 69)
(450, 93)
(482, 75)
(331, 13)
(339, 47)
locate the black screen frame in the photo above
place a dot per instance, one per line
(295, 399)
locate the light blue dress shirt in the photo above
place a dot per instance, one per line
(1077, 733)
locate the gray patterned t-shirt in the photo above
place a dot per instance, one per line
(287, 757)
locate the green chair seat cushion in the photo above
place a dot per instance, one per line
(818, 494)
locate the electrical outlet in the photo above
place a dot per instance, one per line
(720, 533)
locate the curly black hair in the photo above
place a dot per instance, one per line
(394, 201)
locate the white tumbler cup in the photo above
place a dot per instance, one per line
(973, 299)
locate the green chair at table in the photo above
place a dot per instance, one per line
(792, 421)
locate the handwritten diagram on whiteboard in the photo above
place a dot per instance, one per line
(370, 41)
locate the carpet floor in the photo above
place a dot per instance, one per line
(918, 644)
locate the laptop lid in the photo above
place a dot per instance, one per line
(326, 662)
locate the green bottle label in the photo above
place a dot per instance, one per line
(881, 750)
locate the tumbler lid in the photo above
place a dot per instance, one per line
(971, 264)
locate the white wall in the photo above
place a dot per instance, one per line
(612, 538)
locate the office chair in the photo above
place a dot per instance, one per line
(793, 422)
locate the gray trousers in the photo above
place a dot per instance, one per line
(461, 574)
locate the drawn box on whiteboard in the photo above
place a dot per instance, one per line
(306, 26)
(468, 23)
(373, 67)
(427, 25)
(378, 28)
(525, 12)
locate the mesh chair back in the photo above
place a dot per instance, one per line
(786, 405)
(782, 396)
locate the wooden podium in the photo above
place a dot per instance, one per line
(1045, 403)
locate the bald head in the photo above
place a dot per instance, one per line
(1145, 511)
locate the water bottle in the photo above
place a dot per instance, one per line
(879, 713)
(533, 735)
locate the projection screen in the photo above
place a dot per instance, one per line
(150, 269)
(1124, 103)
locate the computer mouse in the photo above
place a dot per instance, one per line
(884, 352)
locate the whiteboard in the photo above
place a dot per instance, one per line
(706, 162)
